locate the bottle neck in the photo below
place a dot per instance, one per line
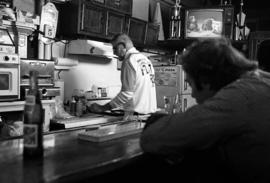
(33, 83)
(33, 90)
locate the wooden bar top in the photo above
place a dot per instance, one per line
(66, 158)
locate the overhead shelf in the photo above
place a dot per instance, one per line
(18, 105)
(180, 44)
(23, 27)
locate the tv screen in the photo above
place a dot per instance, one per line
(204, 23)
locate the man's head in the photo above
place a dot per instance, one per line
(121, 44)
(212, 64)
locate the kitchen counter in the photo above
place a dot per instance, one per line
(66, 158)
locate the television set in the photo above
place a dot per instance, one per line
(209, 22)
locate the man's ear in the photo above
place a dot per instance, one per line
(122, 45)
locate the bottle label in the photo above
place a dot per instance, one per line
(30, 135)
(30, 100)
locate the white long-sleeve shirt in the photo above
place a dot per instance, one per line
(138, 92)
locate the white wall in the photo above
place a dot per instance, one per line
(90, 71)
(93, 71)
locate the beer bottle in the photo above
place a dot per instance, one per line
(177, 104)
(33, 121)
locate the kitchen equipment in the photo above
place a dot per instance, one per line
(90, 47)
(45, 69)
(170, 82)
(45, 92)
(9, 77)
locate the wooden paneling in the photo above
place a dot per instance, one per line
(152, 34)
(123, 6)
(137, 30)
(116, 23)
(93, 20)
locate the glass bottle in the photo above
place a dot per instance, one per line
(167, 104)
(33, 118)
(73, 106)
(177, 107)
(75, 94)
(174, 59)
(79, 107)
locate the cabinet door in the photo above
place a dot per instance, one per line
(115, 23)
(123, 6)
(152, 34)
(93, 20)
(136, 30)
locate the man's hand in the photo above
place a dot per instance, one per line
(153, 118)
(96, 108)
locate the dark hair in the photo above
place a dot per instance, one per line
(215, 62)
(122, 38)
(115, 37)
(263, 55)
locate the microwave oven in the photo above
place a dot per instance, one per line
(9, 77)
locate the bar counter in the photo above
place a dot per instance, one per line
(66, 158)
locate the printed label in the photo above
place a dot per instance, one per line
(30, 135)
(30, 100)
(166, 76)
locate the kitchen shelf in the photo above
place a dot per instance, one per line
(23, 27)
(180, 44)
(18, 105)
(174, 44)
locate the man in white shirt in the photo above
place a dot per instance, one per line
(138, 91)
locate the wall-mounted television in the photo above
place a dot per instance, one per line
(210, 22)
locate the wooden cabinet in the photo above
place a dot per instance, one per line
(89, 18)
(92, 20)
(81, 18)
(137, 30)
(116, 23)
(122, 6)
(101, 20)
(152, 33)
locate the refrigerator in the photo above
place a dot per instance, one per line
(171, 81)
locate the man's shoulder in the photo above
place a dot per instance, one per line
(137, 58)
(244, 86)
(138, 54)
